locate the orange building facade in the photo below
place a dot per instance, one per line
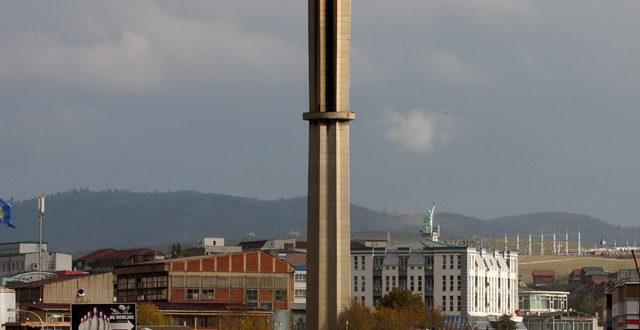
(251, 279)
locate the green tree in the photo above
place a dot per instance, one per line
(589, 304)
(148, 314)
(412, 309)
(176, 251)
(358, 316)
(244, 322)
(504, 322)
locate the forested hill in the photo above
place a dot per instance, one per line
(82, 220)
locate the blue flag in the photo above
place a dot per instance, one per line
(5, 213)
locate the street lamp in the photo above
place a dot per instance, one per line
(23, 310)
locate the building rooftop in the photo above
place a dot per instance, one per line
(112, 254)
(543, 272)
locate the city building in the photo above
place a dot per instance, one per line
(104, 260)
(215, 245)
(20, 257)
(536, 301)
(460, 279)
(288, 244)
(623, 306)
(199, 290)
(543, 277)
(7, 300)
(560, 320)
(51, 298)
(299, 306)
(588, 274)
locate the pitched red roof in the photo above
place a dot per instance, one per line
(576, 271)
(543, 272)
(95, 254)
(112, 254)
(252, 244)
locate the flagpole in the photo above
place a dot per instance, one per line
(40, 215)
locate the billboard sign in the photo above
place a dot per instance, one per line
(103, 316)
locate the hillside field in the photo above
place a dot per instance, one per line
(563, 265)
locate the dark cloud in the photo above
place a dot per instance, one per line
(209, 95)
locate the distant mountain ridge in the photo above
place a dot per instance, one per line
(83, 220)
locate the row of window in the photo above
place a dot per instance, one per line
(454, 260)
(451, 283)
(355, 263)
(266, 282)
(355, 283)
(451, 302)
(301, 278)
(152, 281)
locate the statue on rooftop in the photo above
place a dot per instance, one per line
(428, 220)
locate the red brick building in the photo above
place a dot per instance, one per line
(203, 287)
(543, 277)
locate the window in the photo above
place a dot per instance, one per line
(393, 281)
(281, 295)
(176, 281)
(451, 283)
(459, 304)
(266, 282)
(362, 283)
(459, 282)
(362, 263)
(281, 282)
(301, 278)
(252, 282)
(451, 303)
(222, 282)
(444, 283)
(355, 284)
(208, 294)
(193, 281)
(355, 263)
(251, 294)
(444, 263)
(208, 281)
(266, 306)
(411, 283)
(459, 263)
(444, 303)
(420, 283)
(237, 282)
(193, 294)
(300, 293)
(387, 282)
(451, 261)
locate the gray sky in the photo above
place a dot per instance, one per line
(491, 108)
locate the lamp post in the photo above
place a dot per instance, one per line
(23, 310)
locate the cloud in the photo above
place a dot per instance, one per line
(448, 67)
(419, 130)
(150, 48)
(124, 64)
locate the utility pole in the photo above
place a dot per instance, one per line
(41, 216)
(541, 242)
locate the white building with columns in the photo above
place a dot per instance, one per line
(458, 278)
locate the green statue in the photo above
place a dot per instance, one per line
(428, 220)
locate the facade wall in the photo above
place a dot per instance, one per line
(252, 278)
(97, 288)
(456, 280)
(625, 306)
